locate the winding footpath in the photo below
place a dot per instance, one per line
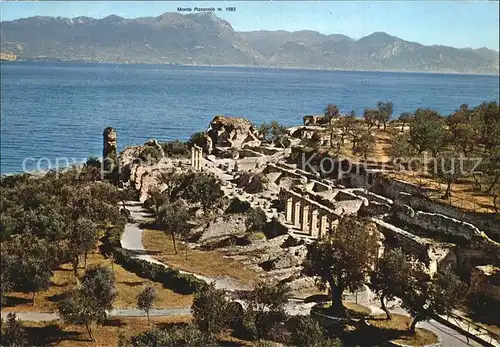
(132, 240)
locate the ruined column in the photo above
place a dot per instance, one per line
(289, 209)
(305, 218)
(110, 169)
(192, 157)
(323, 224)
(196, 156)
(313, 231)
(296, 215)
(199, 157)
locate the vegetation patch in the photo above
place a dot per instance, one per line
(396, 330)
(58, 333)
(128, 285)
(207, 263)
(169, 277)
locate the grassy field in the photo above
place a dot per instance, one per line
(396, 330)
(58, 333)
(128, 286)
(207, 263)
(464, 196)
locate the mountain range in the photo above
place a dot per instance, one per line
(205, 39)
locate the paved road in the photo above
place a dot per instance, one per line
(119, 312)
(448, 336)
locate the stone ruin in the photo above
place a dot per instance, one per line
(196, 157)
(306, 205)
(110, 156)
(232, 132)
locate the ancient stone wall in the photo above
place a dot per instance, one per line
(435, 255)
(436, 223)
(390, 187)
(372, 197)
(488, 224)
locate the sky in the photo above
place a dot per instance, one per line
(459, 24)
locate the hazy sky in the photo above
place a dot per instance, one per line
(454, 23)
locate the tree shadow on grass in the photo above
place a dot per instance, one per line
(170, 325)
(133, 283)
(56, 297)
(62, 285)
(317, 298)
(12, 301)
(50, 335)
(60, 268)
(223, 343)
(114, 322)
(150, 225)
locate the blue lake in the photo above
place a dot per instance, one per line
(59, 110)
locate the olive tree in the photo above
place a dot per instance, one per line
(146, 299)
(343, 259)
(204, 189)
(371, 117)
(29, 265)
(266, 308)
(13, 332)
(384, 112)
(364, 145)
(176, 336)
(405, 118)
(256, 219)
(448, 168)
(90, 302)
(391, 276)
(210, 310)
(425, 297)
(428, 131)
(331, 111)
(173, 219)
(309, 333)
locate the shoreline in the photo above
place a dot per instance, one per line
(270, 67)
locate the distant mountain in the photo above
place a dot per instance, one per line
(204, 39)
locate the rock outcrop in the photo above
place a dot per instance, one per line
(232, 132)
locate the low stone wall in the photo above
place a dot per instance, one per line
(434, 254)
(390, 187)
(437, 223)
(377, 205)
(343, 195)
(486, 223)
(375, 209)
(411, 244)
(372, 197)
(363, 296)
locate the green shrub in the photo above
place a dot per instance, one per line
(170, 278)
(256, 219)
(150, 154)
(176, 149)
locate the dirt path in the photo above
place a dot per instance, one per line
(132, 240)
(121, 312)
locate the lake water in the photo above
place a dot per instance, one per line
(59, 110)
